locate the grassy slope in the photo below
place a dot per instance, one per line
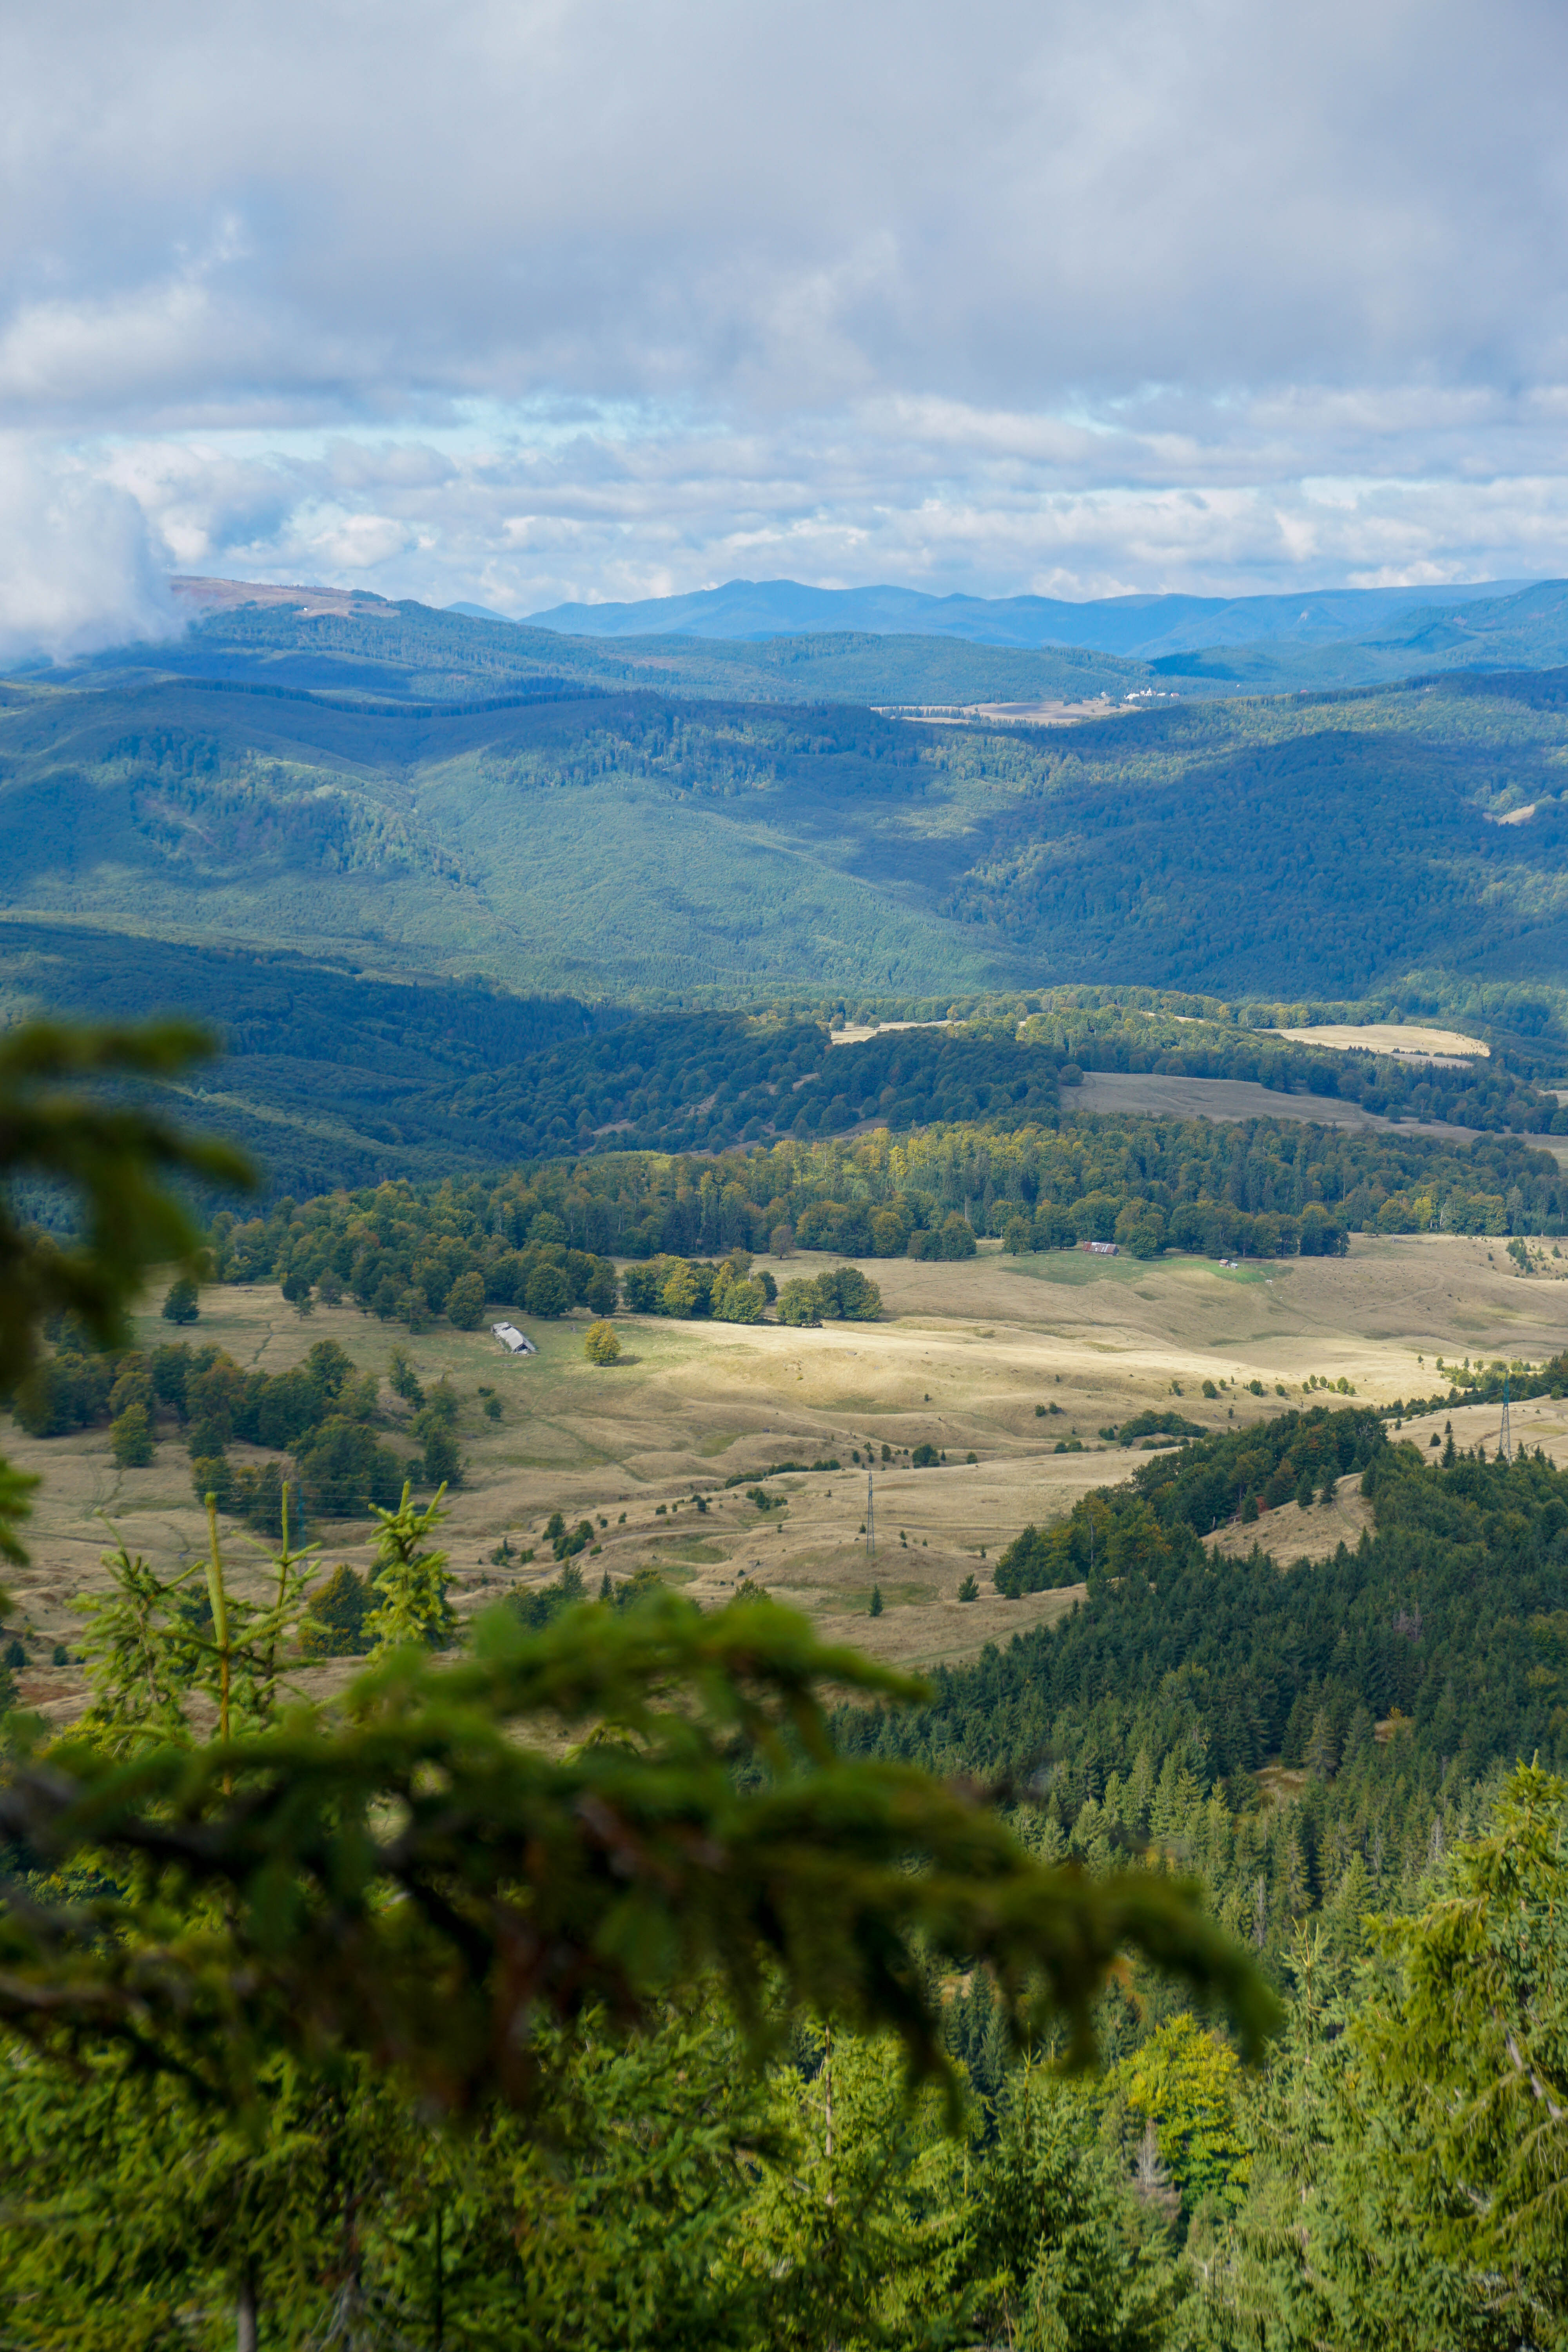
(960, 1358)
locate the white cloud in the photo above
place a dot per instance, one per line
(82, 569)
(524, 298)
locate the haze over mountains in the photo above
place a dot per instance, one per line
(1139, 628)
(1259, 644)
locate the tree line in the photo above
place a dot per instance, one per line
(433, 1079)
(543, 1237)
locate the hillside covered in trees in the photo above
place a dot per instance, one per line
(1264, 1189)
(1325, 844)
(334, 1077)
(1400, 1677)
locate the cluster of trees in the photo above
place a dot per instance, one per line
(540, 1237)
(729, 1293)
(1399, 1878)
(1206, 1228)
(322, 1413)
(692, 1287)
(1234, 1475)
(407, 1259)
(843, 1293)
(1402, 1673)
(680, 1081)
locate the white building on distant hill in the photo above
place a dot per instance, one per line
(515, 1342)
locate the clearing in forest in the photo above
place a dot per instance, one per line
(961, 1357)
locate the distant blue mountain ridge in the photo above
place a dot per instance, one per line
(1149, 628)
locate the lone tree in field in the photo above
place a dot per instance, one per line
(602, 1346)
(179, 1303)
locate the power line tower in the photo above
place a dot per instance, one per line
(870, 1516)
(1505, 1435)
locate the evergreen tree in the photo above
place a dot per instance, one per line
(409, 1582)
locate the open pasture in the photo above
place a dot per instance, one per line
(1392, 1037)
(963, 1355)
(1154, 1093)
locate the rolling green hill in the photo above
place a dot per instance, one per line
(369, 648)
(393, 795)
(1245, 846)
(1527, 629)
(605, 844)
(618, 844)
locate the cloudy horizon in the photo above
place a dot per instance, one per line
(566, 303)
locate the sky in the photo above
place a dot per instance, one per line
(521, 301)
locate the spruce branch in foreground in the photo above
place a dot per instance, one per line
(415, 1881)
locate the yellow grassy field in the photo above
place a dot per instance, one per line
(1391, 1037)
(961, 1357)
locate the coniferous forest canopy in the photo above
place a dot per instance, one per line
(435, 2017)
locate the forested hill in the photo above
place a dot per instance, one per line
(619, 845)
(366, 647)
(333, 1078)
(1398, 1679)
